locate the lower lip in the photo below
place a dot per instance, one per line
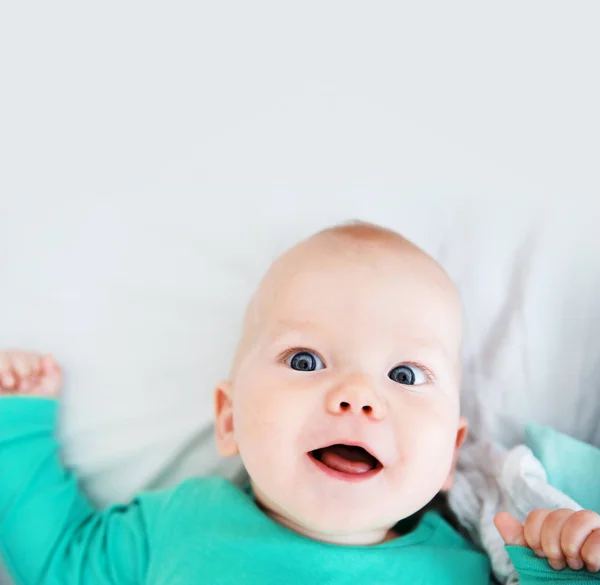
(348, 477)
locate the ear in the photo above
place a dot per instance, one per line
(226, 444)
(461, 435)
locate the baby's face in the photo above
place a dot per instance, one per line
(344, 405)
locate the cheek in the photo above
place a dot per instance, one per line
(265, 416)
(256, 413)
(426, 435)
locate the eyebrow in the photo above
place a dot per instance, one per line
(285, 328)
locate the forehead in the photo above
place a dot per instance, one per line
(378, 295)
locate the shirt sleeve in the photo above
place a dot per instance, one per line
(533, 570)
(49, 531)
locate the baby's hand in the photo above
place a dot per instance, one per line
(564, 537)
(29, 373)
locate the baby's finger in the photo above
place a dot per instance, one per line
(510, 529)
(35, 363)
(575, 532)
(551, 537)
(20, 364)
(7, 381)
(6, 371)
(49, 365)
(533, 530)
(590, 551)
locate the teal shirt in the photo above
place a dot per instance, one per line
(202, 531)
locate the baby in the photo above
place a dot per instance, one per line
(343, 403)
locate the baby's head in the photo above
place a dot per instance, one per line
(343, 400)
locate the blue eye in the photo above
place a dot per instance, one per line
(305, 361)
(408, 375)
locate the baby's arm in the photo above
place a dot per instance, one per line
(49, 532)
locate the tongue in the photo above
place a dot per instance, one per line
(347, 459)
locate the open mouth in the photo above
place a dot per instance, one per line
(346, 461)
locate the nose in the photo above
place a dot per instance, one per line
(356, 395)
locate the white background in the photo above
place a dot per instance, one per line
(154, 157)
